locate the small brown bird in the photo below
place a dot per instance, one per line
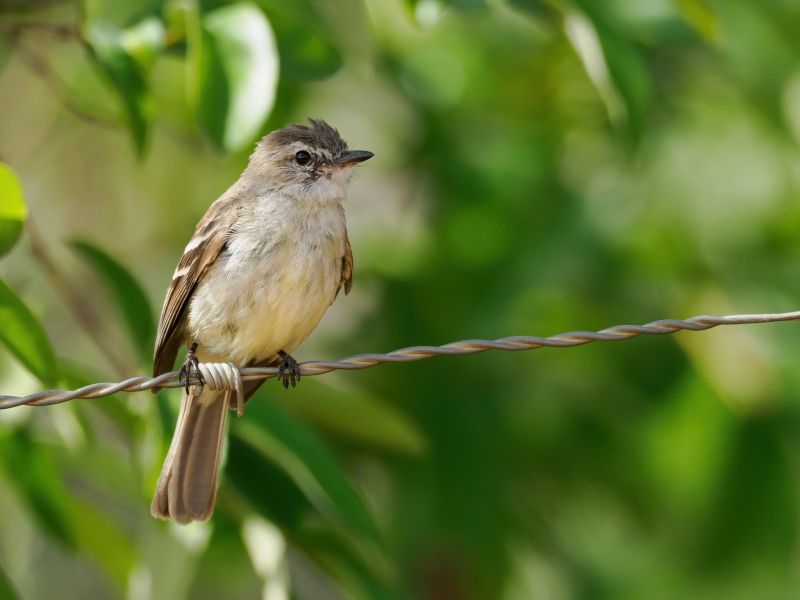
(261, 269)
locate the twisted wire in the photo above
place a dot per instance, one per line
(221, 376)
(364, 361)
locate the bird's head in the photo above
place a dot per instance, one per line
(306, 162)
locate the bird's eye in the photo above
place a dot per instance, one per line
(302, 157)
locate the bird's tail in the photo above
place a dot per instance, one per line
(187, 487)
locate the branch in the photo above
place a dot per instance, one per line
(60, 32)
(25, 6)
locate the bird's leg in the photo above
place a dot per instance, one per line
(189, 367)
(288, 371)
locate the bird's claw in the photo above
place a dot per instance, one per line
(189, 368)
(288, 371)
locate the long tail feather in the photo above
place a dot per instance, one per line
(187, 487)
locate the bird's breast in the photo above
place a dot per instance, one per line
(268, 289)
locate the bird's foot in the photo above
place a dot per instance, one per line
(288, 371)
(189, 368)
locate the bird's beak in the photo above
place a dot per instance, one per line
(351, 157)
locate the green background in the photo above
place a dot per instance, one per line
(540, 166)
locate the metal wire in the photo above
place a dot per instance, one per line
(364, 361)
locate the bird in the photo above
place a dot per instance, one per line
(264, 264)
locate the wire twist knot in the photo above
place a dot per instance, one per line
(220, 376)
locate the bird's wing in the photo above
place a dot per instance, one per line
(346, 279)
(208, 240)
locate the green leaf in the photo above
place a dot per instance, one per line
(756, 506)
(630, 74)
(303, 35)
(233, 73)
(357, 417)
(298, 451)
(268, 489)
(126, 291)
(457, 4)
(466, 4)
(6, 591)
(25, 338)
(362, 573)
(12, 209)
(536, 8)
(39, 482)
(304, 54)
(126, 57)
(104, 540)
(144, 43)
(623, 60)
(700, 15)
(5, 54)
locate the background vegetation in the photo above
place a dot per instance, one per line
(541, 166)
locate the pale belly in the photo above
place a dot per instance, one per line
(252, 306)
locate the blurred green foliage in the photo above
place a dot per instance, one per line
(130, 297)
(13, 212)
(541, 166)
